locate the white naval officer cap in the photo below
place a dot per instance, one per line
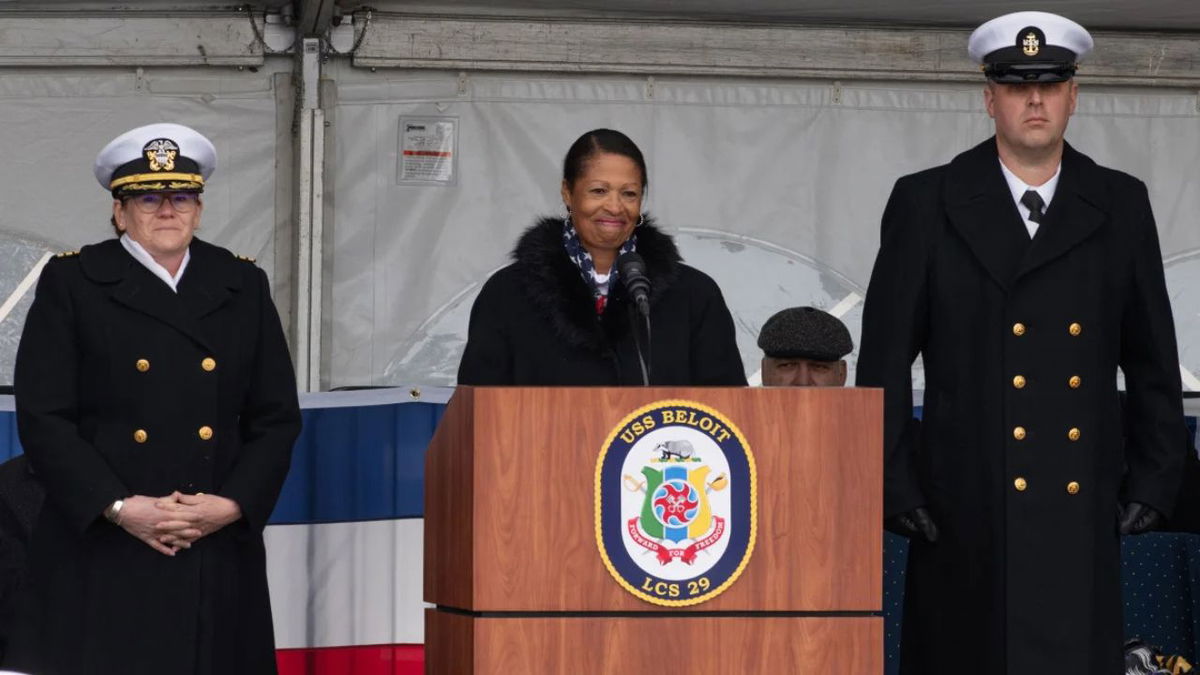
(161, 157)
(1029, 47)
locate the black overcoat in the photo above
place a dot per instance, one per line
(1020, 458)
(107, 350)
(21, 499)
(534, 322)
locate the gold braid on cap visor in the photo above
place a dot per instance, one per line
(146, 177)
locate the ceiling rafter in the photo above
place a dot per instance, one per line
(316, 16)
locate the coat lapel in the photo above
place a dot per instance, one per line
(1075, 213)
(143, 292)
(981, 209)
(133, 286)
(210, 281)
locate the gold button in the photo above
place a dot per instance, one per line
(1075, 329)
(1020, 484)
(1019, 433)
(1072, 488)
(205, 432)
(1019, 382)
(1074, 382)
(140, 436)
(1073, 434)
(1018, 329)
(142, 365)
(209, 364)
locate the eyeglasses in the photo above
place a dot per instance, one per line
(151, 202)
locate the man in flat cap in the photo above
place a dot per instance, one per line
(804, 347)
(1024, 275)
(156, 404)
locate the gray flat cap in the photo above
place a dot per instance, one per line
(805, 333)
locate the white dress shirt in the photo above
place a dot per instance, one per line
(139, 254)
(1018, 188)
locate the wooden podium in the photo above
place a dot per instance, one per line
(514, 570)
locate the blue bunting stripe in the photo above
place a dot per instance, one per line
(353, 464)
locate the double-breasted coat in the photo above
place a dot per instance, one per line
(534, 322)
(124, 387)
(1020, 457)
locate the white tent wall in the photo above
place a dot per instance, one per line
(774, 187)
(57, 119)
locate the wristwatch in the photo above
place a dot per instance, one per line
(113, 512)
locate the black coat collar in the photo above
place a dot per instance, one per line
(981, 208)
(210, 280)
(1081, 205)
(554, 285)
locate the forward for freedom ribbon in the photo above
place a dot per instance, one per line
(687, 555)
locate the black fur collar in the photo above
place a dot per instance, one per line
(554, 285)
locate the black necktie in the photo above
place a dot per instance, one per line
(1033, 201)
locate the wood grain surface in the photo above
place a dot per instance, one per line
(449, 502)
(533, 546)
(654, 645)
(449, 643)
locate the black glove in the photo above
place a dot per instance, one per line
(913, 524)
(1137, 518)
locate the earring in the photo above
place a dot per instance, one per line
(641, 220)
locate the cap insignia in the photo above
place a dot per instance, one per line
(1031, 45)
(161, 153)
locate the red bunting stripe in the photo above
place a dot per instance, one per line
(366, 660)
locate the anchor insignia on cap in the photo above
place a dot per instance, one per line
(161, 153)
(1030, 44)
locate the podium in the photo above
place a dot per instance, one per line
(526, 544)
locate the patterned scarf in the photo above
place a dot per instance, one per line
(583, 260)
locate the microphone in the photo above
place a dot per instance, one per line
(632, 271)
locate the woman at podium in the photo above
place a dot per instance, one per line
(600, 296)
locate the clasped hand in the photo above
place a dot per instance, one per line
(176, 521)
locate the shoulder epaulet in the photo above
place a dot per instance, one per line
(246, 258)
(67, 254)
